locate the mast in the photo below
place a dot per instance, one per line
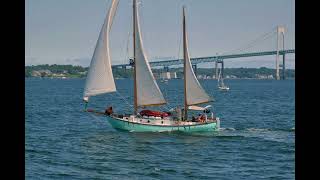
(135, 104)
(184, 66)
(193, 91)
(146, 89)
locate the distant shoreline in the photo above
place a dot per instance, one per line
(156, 79)
(70, 71)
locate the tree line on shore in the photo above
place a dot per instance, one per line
(80, 72)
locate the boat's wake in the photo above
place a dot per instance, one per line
(227, 129)
(278, 135)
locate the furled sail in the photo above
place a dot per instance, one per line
(194, 93)
(100, 78)
(147, 89)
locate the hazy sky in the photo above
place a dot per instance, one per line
(66, 31)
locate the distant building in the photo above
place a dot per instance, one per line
(165, 75)
(41, 73)
(173, 75)
(35, 73)
(156, 75)
(46, 72)
(270, 77)
(83, 73)
(264, 76)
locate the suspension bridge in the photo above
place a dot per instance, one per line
(280, 50)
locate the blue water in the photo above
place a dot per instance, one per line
(257, 140)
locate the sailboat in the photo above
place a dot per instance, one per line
(146, 90)
(221, 84)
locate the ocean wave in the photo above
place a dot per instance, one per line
(227, 129)
(258, 129)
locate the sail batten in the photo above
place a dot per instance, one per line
(194, 93)
(147, 89)
(100, 78)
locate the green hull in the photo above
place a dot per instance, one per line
(136, 127)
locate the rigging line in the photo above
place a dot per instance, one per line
(168, 104)
(99, 120)
(127, 50)
(179, 34)
(126, 106)
(126, 58)
(124, 99)
(122, 48)
(179, 31)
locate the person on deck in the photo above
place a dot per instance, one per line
(193, 119)
(109, 111)
(201, 118)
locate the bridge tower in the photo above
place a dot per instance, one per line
(166, 68)
(124, 67)
(217, 62)
(216, 69)
(194, 66)
(280, 34)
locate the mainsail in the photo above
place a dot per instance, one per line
(194, 93)
(147, 89)
(100, 78)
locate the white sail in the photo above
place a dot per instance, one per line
(100, 78)
(147, 89)
(195, 94)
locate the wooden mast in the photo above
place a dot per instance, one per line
(184, 64)
(134, 59)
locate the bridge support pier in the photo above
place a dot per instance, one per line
(194, 66)
(124, 67)
(280, 33)
(284, 66)
(221, 69)
(131, 62)
(166, 68)
(216, 69)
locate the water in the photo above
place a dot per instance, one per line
(257, 140)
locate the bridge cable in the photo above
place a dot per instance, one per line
(254, 42)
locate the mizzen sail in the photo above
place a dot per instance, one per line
(194, 93)
(100, 78)
(147, 90)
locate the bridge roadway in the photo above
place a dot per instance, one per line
(198, 60)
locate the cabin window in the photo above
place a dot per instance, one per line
(148, 121)
(161, 122)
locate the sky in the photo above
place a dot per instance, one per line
(66, 31)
